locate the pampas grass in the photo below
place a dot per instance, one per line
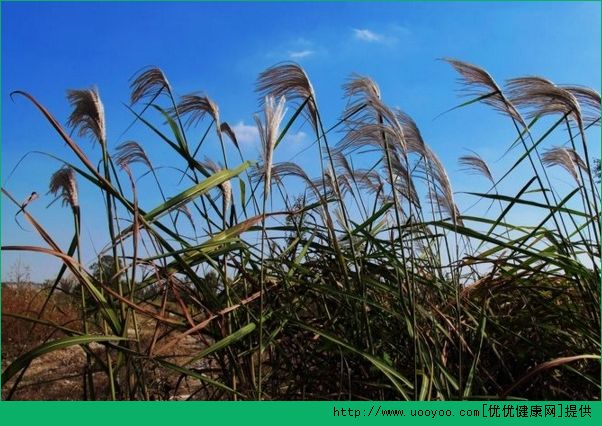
(365, 280)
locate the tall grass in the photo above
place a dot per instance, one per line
(367, 283)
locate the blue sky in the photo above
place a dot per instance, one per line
(219, 49)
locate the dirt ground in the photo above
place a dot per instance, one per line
(59, 376)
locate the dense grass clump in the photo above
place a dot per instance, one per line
(367, 283)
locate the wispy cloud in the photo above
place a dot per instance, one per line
(245, 133)
(295, 138)
(300, 54)
(249, 135)
(367, 35)
(389, 34)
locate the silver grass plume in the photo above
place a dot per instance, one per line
(289, 80)
(566, 158)
(287, 168)
(194, 107)
(131, 152)
(345, 173)
(326, 182)
(403, 181)
(369, 180)
(479, 83)
(361, 135)
(282, 170)
(341, 161)
(476, 165)
(541, 97)
(225, 128)
(224, 187)
(589, 100)
(268, 134)
(63, 185)
(148, 84)
(376, 119)
(413, 138)
(88, 116)
(360, 91)
(442, 193)
(183, 208)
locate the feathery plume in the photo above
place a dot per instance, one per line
(413, 137)
(289, 80)
(403, 180)
(377, 121)
(326, 182)
(476, 165)
(541, 97)
(287, 168)
(361, 88)
(442, 193)
(341, 161)
(194, 107)
(369, 180)
(131, 152)
(479, 83)
(566, 158)
(225, 128)
(148, 84)
(284, 169)
(63, 185)
(589, 100)
(88, 116)
(365, 134)
(224, 187)
(268, 133)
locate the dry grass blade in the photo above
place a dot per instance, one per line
(88, 116)
(547, 366)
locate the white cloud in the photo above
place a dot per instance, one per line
(301, 54)
(367, 35)
(295, 138)
(245, 133)
(248, 134)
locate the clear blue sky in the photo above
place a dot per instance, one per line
(220, 48)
